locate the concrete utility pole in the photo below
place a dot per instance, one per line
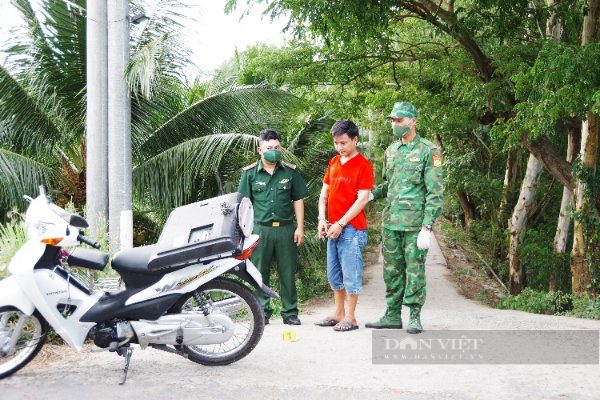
(97, 115)
(119, 127)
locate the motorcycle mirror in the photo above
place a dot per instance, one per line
(78, 221)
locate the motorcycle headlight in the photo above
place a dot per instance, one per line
(246, 216)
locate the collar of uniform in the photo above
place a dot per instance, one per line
(411, 145)
(260, 165)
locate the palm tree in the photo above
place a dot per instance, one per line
(185, 146)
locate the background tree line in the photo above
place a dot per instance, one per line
(508, 89)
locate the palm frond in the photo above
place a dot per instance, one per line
(26, 124)
(20, 175)
(308, 133)
(165, 19)
(245, 109)
(142, 71)
(174, 177)
(51, 62)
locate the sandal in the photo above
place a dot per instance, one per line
(327, 322)
(344, 326)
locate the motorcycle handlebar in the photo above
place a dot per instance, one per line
(90, 242)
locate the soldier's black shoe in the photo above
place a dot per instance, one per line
(266, 320)
(292, 320)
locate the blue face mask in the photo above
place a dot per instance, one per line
(272, 156)
(400, 130)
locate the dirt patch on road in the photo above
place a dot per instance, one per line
(473, 281)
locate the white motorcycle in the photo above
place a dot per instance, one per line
(175, 298)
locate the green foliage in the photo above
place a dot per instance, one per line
(552, 303)
(312, 267)
(12, 237)
(482, 243)
(538, 302)
(559, 86)
(542, 262)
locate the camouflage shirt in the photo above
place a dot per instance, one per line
(412, 182)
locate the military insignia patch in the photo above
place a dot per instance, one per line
(261, 183)
(437, 160)
(284, 181)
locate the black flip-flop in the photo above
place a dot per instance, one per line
(344, 326)
(327, 322)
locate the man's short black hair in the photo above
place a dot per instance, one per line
(269, 134)
(344, 127)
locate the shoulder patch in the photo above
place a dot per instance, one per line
(289, 165)
(247, 167)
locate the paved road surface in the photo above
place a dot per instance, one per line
(324, 363)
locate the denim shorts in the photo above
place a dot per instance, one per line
(344, 260)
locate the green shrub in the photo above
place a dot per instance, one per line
(12, 237)
(312, 268)
(538, 257)
(553, 303)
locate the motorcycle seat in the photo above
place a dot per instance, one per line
(134, 260)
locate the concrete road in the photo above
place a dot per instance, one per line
(326, 364)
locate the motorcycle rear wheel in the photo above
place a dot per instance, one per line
(31, 339)
(241, 305)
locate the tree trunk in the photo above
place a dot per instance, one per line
(510, 178)
(518, 223)
(554, 31)
(469, 211)
(566, 206)
(581, 278)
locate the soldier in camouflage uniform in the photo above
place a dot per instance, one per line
(412, 185)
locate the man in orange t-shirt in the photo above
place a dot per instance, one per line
(346, 188)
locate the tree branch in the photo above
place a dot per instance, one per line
(554, 163)
(447, 22)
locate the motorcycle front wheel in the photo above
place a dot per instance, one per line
(21, 338)
(240, 305)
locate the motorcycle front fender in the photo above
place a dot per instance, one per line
(12, 296)
(248, 272)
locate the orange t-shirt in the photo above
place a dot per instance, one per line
(345, 180)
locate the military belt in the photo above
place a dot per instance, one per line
(275, 224)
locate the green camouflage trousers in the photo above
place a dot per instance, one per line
(403, 269)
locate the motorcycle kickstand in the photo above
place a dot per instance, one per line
(125, 352)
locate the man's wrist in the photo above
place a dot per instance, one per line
(428, 227)
(342, 222)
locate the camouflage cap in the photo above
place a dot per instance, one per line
(403, 109)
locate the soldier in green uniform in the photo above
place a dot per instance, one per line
(276, 190)
(412, 186)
